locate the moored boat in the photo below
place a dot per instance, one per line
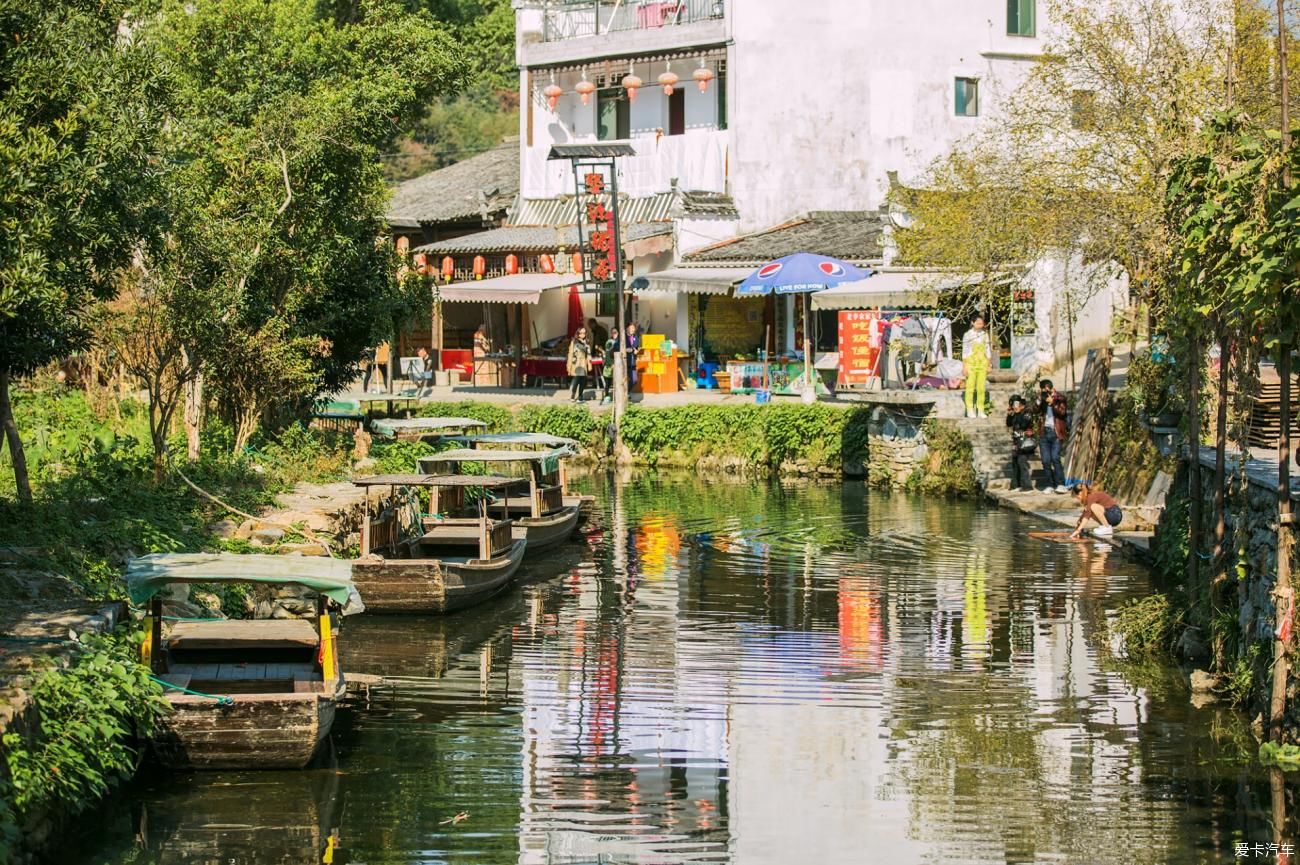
(244, 694)
(542, 518)
(419, 428)
(533, 441)
(439, 561)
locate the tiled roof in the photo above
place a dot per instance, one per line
(532, 238)
(561, 210)
(484, 185)
(706, 205)
(853, 235)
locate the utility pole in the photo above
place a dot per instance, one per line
(1283, 593)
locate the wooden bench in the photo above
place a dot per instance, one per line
(243, 634)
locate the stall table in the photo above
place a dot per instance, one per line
(785, 376)
(535, 371)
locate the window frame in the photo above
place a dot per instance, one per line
(969, 88)
(622, 113)
(1016, 10)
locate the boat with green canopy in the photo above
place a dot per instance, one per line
(430, 544)
(532, 441)
(245, 693)
(542, 518)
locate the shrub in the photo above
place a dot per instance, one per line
(1147, 626)
(949, 466)
(574, 422)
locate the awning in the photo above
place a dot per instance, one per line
(892, 289)
(691, 280)
(517, 288)
(147, 575)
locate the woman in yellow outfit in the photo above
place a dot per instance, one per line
(977, 357)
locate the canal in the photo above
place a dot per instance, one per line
(749, 673)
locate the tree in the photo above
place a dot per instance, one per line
(275, 262)
(79, 121)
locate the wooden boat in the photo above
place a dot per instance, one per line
(420, 428)
(244, 693)
(437, 561)
(543, 519)
(531, 441)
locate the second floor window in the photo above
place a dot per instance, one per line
(1020, 17)
(968, 100)
(613, 115)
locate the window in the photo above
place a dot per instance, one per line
(607, 304)
(613, 115)
(968, 101)
(677, 112)
(720, 82)
(1020, 17)
(1083, 110)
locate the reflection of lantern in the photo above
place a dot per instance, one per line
(585, 88)
(480, 266)
(553, 92)
(512, 264)
(448, 267)
(703, 76)
(668, 80)
(630, 84)
(577, 262)
(546, 264)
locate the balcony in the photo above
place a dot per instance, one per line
(565, 31)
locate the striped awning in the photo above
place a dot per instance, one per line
(517, 288)
(691, 280)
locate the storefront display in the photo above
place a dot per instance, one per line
(861, 338)
(783, 376)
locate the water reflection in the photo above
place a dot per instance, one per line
(759, 673)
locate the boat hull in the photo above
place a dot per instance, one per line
(256, 731)
(433, 586)
(543, 532)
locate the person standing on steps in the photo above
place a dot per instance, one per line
(1021, 424)
(976, 357)
(1052, 432)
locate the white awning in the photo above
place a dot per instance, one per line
(892, 289)
(517, 288)
(693, 280)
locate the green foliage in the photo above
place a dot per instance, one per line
(315, 456)
(1238, 686)
(397, 457)
(1153, 387)
(566, 421)
(1284, 756)
(497, 418)
(1129, 460)
(949, 466)
(1148, 626)
(1171, 544)
(90, 714)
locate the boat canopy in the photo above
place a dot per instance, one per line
(429, 480)
(522, 438)
(147, 575)
(393, 427)
(549, 459)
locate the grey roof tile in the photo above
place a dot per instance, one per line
(853, 235)
(483, 185)
(532, 238)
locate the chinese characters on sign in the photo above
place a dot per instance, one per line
(1022, 312)
(600, 257)
(1281, 852)
(860, 342)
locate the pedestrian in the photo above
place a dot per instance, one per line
(631, 345)
(976, 358)
(1053, 428)
(1021, 425)
(375, 359)
(422, 371)
(579, 364)
(482, 344)
(607, 372)
(597, 333)
(1098, 508)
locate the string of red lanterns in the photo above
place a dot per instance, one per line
(631, 83)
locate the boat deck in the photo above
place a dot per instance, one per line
(243, 634)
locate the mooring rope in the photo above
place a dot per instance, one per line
(221, 700)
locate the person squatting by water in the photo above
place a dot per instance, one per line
(1098, 508)
(1053, 428)
(1021, 424)
(579, 364)
(976, 357)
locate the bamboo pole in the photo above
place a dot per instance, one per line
(1194, 479)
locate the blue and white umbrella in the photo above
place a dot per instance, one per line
(800, 273)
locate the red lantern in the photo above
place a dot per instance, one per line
(553, 92)
(421, 263)
(585, 88)
(403, 244)
(702, 77)
(512, 264)
(448, 268)
(631, 83)
(668, 80)
(480, 266)
(577, 262)
(546, 264)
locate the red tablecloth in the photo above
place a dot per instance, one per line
(549, 367)
(459, 358)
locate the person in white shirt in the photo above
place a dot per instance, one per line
(976, 357)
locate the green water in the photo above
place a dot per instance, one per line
(748, 673)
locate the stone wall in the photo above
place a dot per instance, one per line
(896, 443)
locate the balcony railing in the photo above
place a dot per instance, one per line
(575, 19)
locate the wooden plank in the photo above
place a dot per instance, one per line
(240, 634)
